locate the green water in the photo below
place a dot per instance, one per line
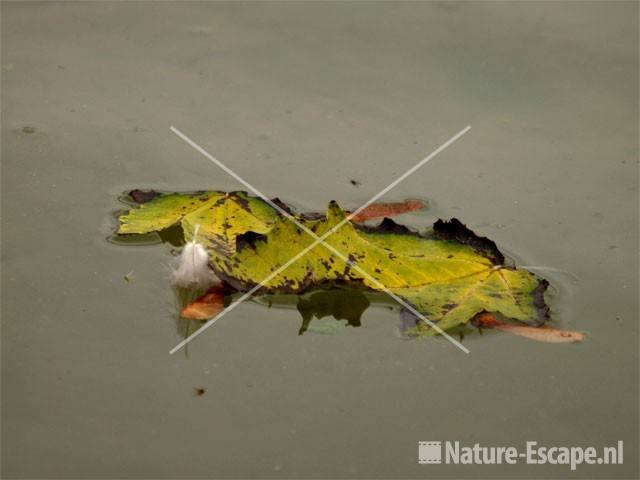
(300, 99)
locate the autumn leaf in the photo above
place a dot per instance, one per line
(447, 280)
(449, 274)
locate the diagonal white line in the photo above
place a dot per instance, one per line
(319, 240)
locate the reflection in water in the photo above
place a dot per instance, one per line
(342, 304)
(346, 307)
(321, 311)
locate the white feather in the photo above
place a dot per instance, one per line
(193, 269)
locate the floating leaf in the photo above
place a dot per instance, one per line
(450, 275)
(447, 280)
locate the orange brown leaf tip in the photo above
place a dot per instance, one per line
(206, 306)
(540, 334)
(381, 210)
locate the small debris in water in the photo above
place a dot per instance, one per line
(129, 277)
(200, 391)
(28, 129)
(207, 306)
(355, 183)
(540, 334)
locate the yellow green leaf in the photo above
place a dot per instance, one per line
(221, 217)
(449, 276)
(164, 211)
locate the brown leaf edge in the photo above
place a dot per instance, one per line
(455, 230)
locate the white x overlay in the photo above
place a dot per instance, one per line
(319, 240)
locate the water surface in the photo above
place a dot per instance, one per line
(300, 99)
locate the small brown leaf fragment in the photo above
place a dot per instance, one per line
(205, 307)
(200, 391)
(142, 196)
(381, 210)
(540, 334)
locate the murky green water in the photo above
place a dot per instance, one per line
(300, 99)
